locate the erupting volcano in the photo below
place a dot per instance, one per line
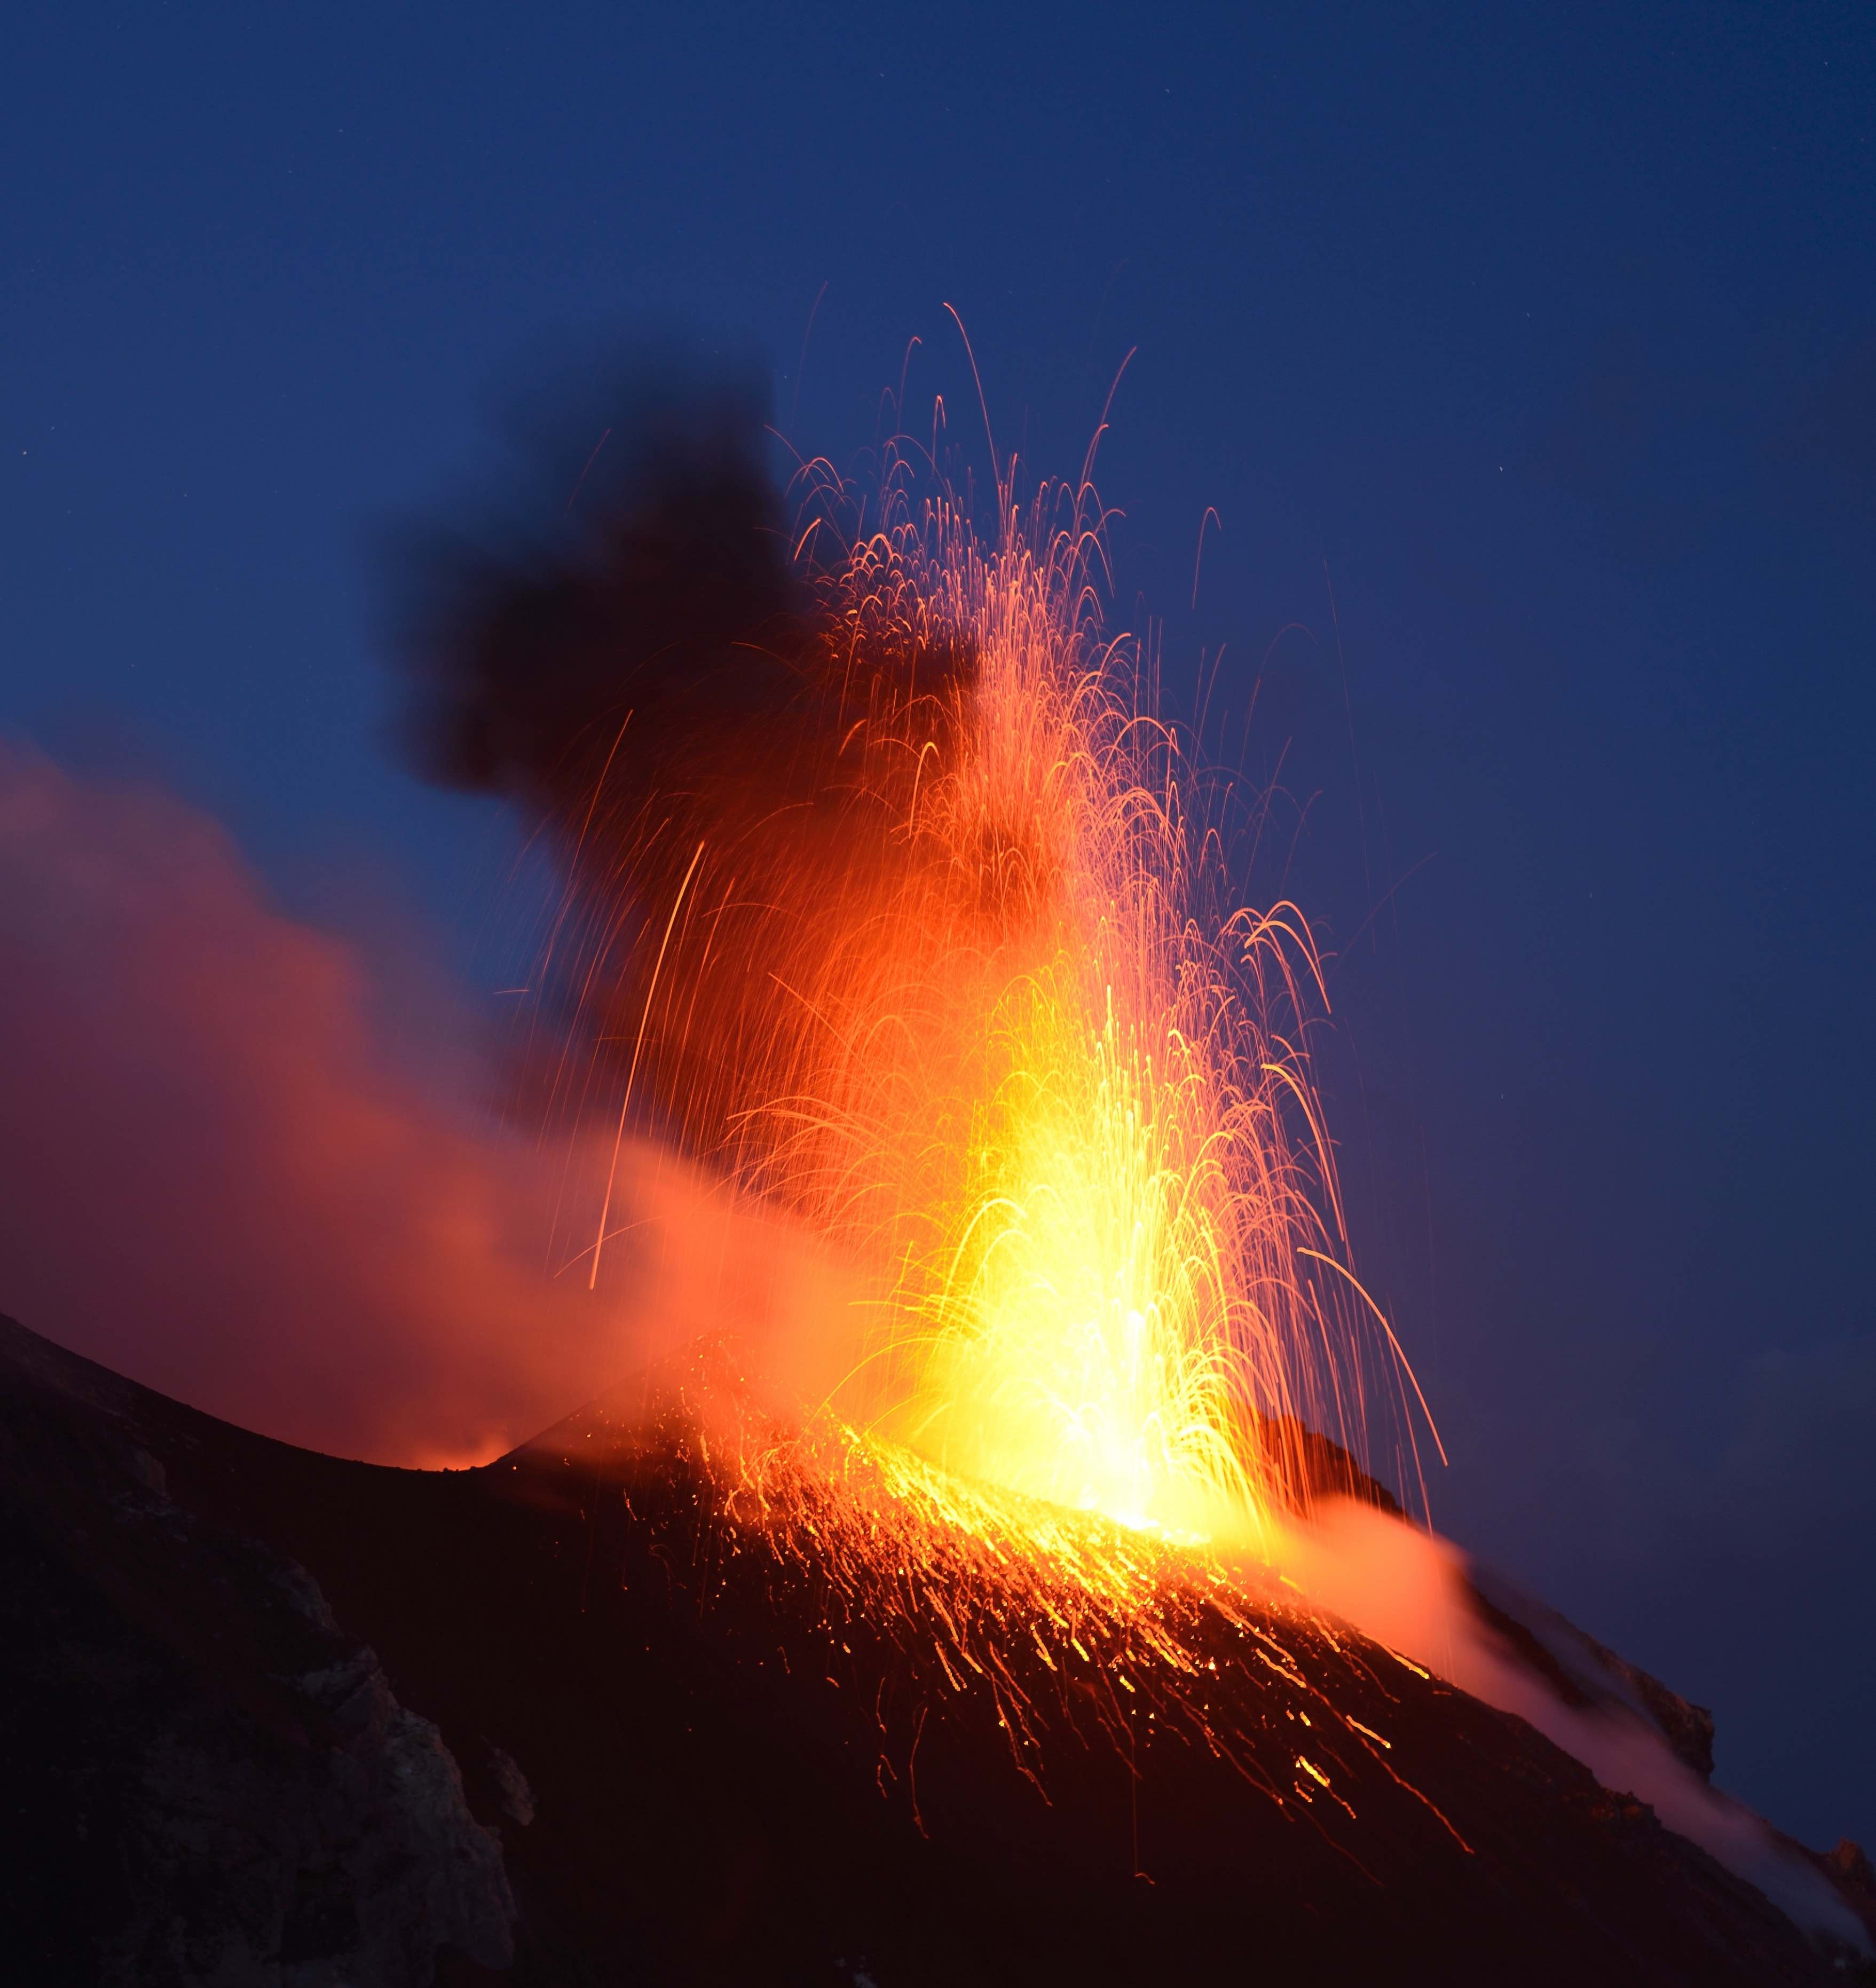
(1019, 1597)
(891, 897)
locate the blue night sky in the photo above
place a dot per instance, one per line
(1542, 341)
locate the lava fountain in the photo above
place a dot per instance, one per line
(891, 898)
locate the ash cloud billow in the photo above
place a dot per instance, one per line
(663, 588)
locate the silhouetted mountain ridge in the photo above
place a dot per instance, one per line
(660, 1779)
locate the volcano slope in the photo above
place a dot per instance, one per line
(550, 1721)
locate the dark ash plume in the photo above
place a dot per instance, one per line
(657, 622)
(722, 741)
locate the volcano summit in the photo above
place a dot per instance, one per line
(276, 1717)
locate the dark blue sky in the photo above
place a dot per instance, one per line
(1545, 337)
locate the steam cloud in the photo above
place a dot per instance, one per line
(220, 1178)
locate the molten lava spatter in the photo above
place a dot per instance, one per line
(992, 1040)
(893, 897)
(1061, 1103)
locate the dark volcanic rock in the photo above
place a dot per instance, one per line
(207, 1780)
(705, 1768)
